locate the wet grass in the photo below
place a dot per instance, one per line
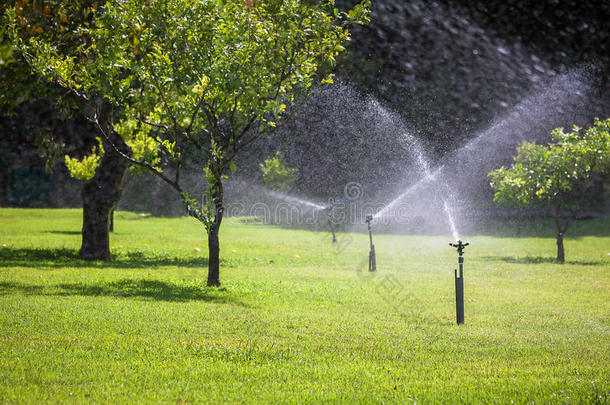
(298, 319)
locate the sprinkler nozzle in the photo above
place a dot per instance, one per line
(460, 246)
(369, 218)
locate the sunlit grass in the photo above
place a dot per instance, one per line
(298, 319)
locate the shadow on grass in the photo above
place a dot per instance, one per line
(540, 259)
(66, 258)
(65, 232)
(127, 288)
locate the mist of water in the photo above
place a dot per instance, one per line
(468, 166)
(454, 231)
(427, 176)
(295, 200)
(431, 193)
(389, 209)
(245, 197)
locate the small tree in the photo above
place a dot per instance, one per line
(555, 175)
(213, 76)
(276, 175)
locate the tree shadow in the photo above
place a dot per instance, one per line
(540, 259)
(155, 290)
(68, 258)
(65, 232)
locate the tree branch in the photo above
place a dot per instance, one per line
(192, 211)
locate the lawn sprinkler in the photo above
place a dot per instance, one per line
(459, 282)
(372, 260)
(329, 214)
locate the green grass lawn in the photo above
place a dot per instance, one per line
(298, 320)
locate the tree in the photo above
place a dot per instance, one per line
(276, 175)
(192, 74)
(556, 175)
(65, 24)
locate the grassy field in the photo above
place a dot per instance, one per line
(298, 320)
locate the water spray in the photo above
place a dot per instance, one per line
(372, 260)
(459, 282)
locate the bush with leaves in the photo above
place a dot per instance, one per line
(276, 175)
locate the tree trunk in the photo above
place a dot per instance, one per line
(560, 233)
(519, 219)
(100, 195)
(560, 251)
(213, 242)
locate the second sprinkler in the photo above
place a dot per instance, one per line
(372, 260)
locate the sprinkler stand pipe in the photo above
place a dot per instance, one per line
(329, 214)
(459, 282)
(372, 258)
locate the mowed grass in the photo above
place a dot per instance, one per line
(297, 319)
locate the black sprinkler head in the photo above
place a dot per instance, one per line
(369, 218)
(459, 245)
